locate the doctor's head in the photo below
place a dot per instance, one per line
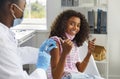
(11, 10)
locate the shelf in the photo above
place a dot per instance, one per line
(101, 39)
(95, 34)
(84, 3)
(102, 61)
(91, 7)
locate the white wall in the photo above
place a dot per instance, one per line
(53, 9)
(40, 37)
(114, 38)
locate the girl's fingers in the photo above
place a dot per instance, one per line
(93, 40)
(67, 41)
(61, 40)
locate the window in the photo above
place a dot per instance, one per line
(35, 15)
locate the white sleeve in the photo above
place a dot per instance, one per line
(11, 66)
(38, 74)
(10, 61)
(28, 55)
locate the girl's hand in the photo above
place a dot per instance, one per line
(66, 45)
(91, 46)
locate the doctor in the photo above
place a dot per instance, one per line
(12, 58)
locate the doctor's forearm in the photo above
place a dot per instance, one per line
(28, 55)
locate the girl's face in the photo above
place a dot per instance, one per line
(73, 26)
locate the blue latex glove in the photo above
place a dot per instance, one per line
(48, 45)
(43, 60)
(43, 55)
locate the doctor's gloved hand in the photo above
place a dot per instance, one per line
(43, 55)
(47, 45)
(43, 61)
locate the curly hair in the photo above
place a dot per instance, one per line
(60, 24)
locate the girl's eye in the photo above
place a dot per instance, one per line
(78, 25)
(72, 23)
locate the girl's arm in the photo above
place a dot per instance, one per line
(58, 60)
(81, 66)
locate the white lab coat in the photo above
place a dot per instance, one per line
(12, 58)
